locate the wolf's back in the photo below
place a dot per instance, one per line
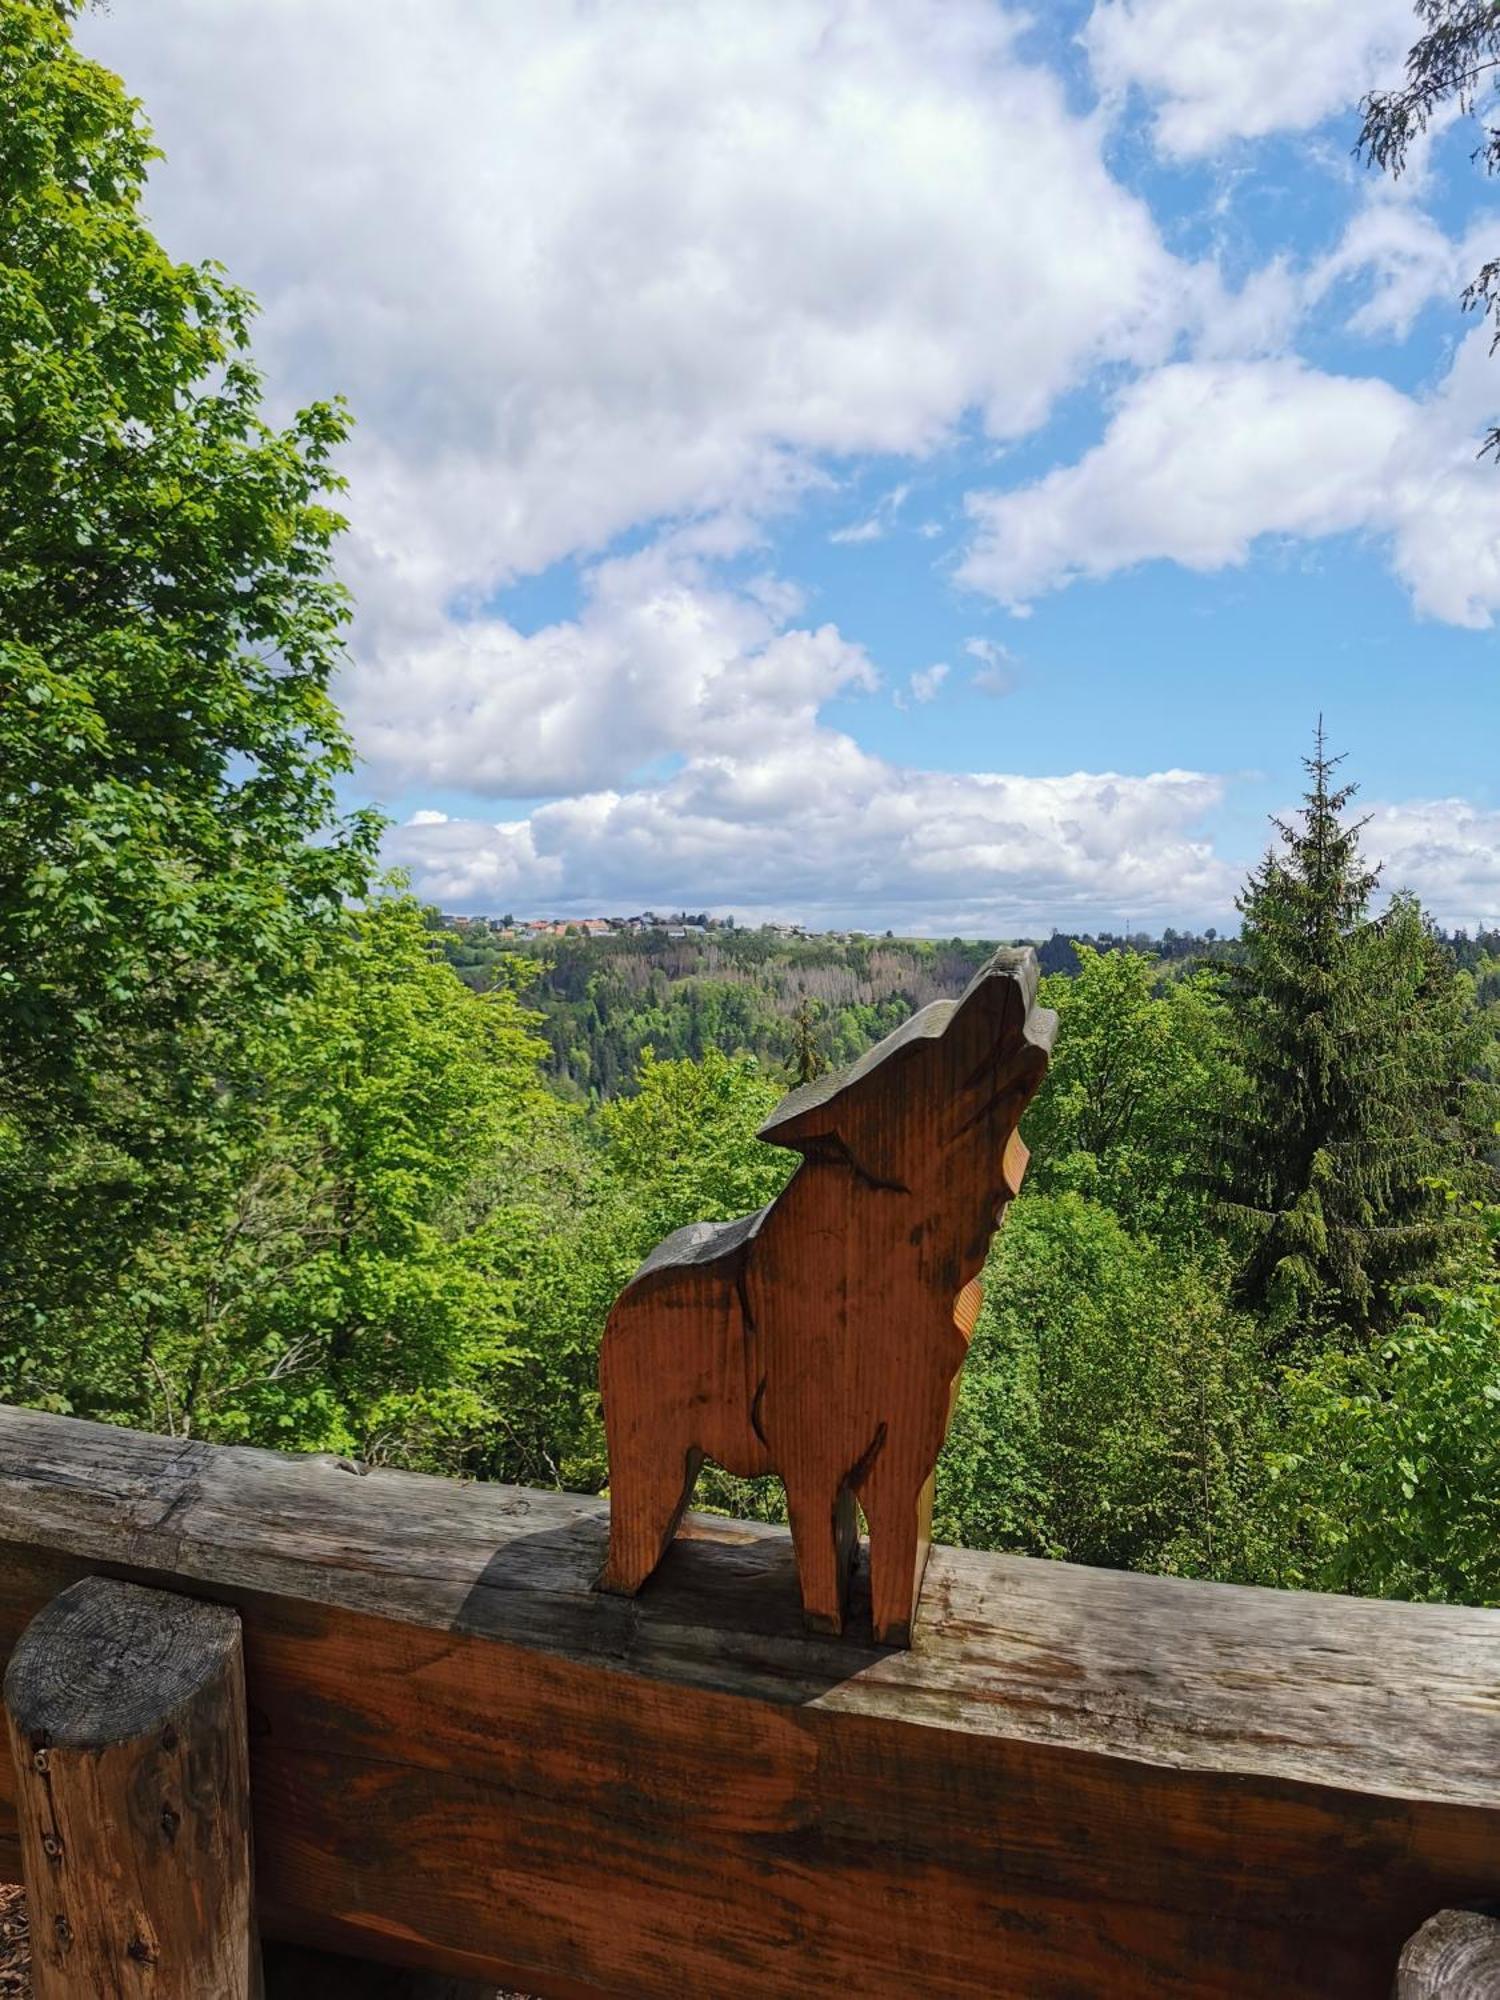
(679, 1354)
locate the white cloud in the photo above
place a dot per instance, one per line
(831, 835)
(875, 526)
(580, 267)
(1447, 850)
(997, 670)
(586, 270)
(592, 270)
(660, 662)
(1408, 261)
(925, 684)
(1259, 319)
(1202, 459)
(835, 835)
(1216, 71)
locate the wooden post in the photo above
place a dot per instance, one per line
(126, 1710)
(1454, 1956)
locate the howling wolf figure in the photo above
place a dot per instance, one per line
(822, 1337)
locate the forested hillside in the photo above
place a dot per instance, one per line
(271, 1170)
(799, 1004)
(795, 1004)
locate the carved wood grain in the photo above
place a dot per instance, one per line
(822, 1339)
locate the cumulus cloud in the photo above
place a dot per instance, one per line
(1447, 850)
(924, 685)
(1201, 459)
(660, 662)
(579, 268)
(602, 277)
(587, 271)
(833, 834)
(998, 668)
(1405, 260)
(1214, 71)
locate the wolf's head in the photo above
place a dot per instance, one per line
(936, 1104)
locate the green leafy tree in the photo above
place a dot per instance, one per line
(1353, 1041)
(340, 1290)
(171, 860)
(1135, 1072)
(1111, 1408)
(685, 1143)
(1388, 1475)
(399, 1089)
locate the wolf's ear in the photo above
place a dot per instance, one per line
(1001, 995)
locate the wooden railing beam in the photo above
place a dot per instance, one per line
(465, 1758)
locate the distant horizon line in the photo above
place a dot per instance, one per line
(703, 922)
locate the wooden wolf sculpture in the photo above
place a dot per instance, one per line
(822, 1338)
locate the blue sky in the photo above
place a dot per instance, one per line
(864, 463)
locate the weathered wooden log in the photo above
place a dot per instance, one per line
(465, 1758)
(1454, 1956)
(126, 1713)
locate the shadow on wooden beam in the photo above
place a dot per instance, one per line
(465, 1759)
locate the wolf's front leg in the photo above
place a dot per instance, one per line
(647, 1499)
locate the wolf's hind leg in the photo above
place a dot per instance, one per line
(900, 1531)
(646, 1502)
(825, 1534)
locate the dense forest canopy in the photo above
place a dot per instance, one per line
(284, 1160)
(603, 998)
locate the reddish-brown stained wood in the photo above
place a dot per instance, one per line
(822, 1339)
(126, 1711)
(1075, 1781)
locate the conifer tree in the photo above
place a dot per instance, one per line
(807, 1058)
(1353, 1041)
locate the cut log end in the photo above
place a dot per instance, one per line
(107, 1662)
(1454, 1956)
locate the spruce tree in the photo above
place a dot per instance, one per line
(1353, 1041)
(807, 1058)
